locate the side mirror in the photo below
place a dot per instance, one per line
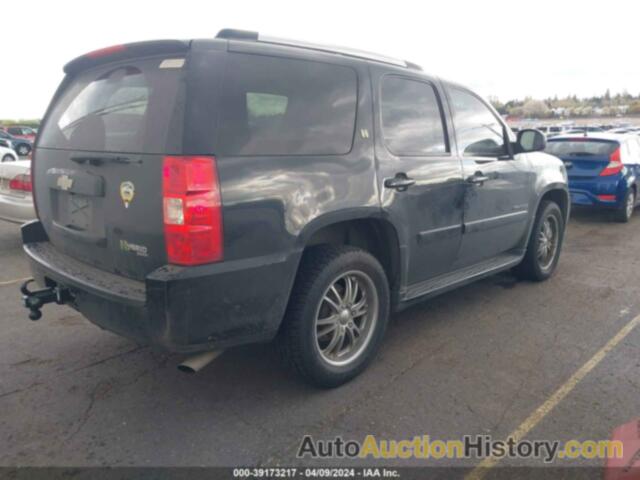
(530, 140)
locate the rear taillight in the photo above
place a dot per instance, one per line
(192, 210)
(21, 183)
(615, 164)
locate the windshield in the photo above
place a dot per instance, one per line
(124, 108)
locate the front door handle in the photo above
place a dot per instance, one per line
(478, 178)
(400, 182)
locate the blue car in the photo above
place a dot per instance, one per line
(603, 169)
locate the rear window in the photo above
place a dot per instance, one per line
(278, 106)
(411, 118)
(123, 108)
(581, 148)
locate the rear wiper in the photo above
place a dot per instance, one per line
(99, 160)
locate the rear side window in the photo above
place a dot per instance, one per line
(124, 108)
(278, 106)
(411, 118)
(478, 131)
(581, 148)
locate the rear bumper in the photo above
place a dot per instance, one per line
(180, 309)
(587, 192)
(16, 209)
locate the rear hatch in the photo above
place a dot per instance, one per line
(586, 158)
(98, 160)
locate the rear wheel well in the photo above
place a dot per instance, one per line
(378, 237)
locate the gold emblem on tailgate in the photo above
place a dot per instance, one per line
(64, 182)
(127, 192)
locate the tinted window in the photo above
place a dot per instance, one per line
(478, 131)
(581, 148)
(277, 106)
(126, 108)
(411, 118)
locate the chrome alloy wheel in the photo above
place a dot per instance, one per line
(346, 318)
(548, 240)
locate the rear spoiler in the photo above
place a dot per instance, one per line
(123, 52)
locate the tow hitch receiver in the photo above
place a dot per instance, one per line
(36, 299)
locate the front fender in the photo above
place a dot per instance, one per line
(550, 179)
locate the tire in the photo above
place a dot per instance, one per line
(23, 150)
(8, 158)
(624, 213)
(305, 345)
(539, 263)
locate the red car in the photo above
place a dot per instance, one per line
(27, 133)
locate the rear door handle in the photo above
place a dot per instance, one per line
(400, 182)
(478, 178)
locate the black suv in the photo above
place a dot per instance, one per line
(203, 194)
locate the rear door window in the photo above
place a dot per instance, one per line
(411, 118)
(117, 108)
(281, 106)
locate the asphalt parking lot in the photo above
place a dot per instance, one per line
(478, 360)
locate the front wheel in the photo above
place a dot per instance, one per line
(8, 158)
(337, 315)
(545, 243)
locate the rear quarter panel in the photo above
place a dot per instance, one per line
(271, 204)
(270, 200)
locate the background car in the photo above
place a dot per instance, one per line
(16, 199)
(585, 129)
(620, 130)
(7, 155)
(22, 146)
(603, 170)
(18, 131)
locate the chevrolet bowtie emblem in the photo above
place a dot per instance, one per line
(64, 182)
(127, 192)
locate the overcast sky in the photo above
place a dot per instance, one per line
(503, 48)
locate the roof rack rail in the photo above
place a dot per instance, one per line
(233, 34)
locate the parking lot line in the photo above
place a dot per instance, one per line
(11, 282)
(519, 433)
